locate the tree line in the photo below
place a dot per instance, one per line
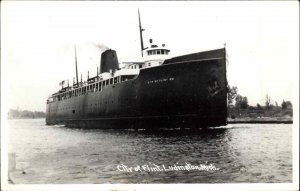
(238, 106)
(19, 114)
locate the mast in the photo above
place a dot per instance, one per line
(141, 33)
(76, 65)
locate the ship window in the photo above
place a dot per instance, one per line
(111, 81)
(107, 82)
(115, 80)
(162, 52)
(154, 52)
(158, 51)
(149, 64)
(140, 66)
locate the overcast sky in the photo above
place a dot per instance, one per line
(37, 42)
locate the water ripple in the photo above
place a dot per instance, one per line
(242, 152)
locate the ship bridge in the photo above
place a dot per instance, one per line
(155, 55)
(152, 56)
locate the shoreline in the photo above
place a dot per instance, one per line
(263, 120)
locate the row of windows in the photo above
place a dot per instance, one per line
(154, 52)
(136, 66)
(90, 88)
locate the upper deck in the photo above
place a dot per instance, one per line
(92, 85)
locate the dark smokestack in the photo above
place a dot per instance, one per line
(109, 61)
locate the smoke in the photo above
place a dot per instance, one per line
(101, 47)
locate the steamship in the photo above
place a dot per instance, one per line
(188, 91)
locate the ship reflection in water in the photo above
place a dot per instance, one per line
(240, 152)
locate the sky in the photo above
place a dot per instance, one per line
(38, 39)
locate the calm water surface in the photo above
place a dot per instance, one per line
(248, 153)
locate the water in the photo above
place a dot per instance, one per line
(246, 153)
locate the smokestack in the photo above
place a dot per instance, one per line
(109, 61)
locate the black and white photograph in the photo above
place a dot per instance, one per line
(148, 95)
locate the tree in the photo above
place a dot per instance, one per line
(241, 102)
(232, 93)
(283, 105)
(289, 104)
(244, 104)
(258, 106)
(268, 101)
